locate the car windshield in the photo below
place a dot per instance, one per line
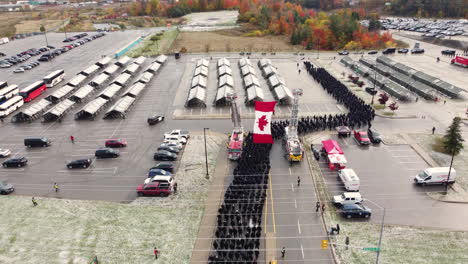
(363, 135)
(423, 175)
(375, 133)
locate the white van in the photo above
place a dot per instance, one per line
(349, 179)
(436, 175)
(347, 198)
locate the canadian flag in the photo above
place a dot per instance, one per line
(262, 125)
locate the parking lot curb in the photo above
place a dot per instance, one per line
(202, 246)
(396, 117)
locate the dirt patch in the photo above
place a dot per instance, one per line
(28, 26)
(230, 41)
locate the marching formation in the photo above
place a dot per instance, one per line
(238, 232)
(360, 113)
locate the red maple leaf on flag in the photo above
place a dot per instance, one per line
(262, 122)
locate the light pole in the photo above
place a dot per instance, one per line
(206, 153)
(43, 30)
(381, 230)
(448, 176)
(318, 47)
(373, 89)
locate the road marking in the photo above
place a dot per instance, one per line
(295, 203)
(289, 170)
(292, 186)
(272, 205)
(116, 128)
(266, 214)
(299, 226)
(302, 251)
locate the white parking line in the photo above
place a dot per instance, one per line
(295, 204)
(298, 226)
(302, 250)
(292, 187)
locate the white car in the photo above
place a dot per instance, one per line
(161, 178)
(178, 132)
(175, 139)
(18, 70)
(174, 144)
(4, 153)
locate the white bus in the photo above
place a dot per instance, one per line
(8, 92)
(11, 105)
(54, 78)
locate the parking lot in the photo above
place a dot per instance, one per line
(386, 175)
(72, 61)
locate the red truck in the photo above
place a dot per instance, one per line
(154, 189)
(460, 61)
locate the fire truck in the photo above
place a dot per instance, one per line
(460, 61)
(294, 150)
(236, 140)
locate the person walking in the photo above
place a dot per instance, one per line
(298, 181)
(347, 242)
(34, 201)
(175, 188)
(72, 139)
(317, 206)
(445, 101)
(56, 187)
(323, 208)
(433, 130)
(283, 252)
(337, 229)
(156, 253)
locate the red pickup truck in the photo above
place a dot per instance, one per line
(460, 61)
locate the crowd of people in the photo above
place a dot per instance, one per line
(360, 113)
(238, 231)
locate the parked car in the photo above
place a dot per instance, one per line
(372, 52)
(4, 153)
(37, 142)
(361, 137)
(106, 153)
(371, 91)
(344, 52)
(374, 136)
(164, 155)
(2, 54)
(15, 162)
(153, 172)
(172, 144)
(403, 51)
(6, 188)
(81, 163)
(170, 149)
(153, 120)
(417, 51)
(343, 131)
(347, 198)
(355, 211)
(116, 143)
(154, 189)
(161, 178)
(175, 139)
(167, 166)
(18, 70)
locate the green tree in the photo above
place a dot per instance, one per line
(453, 141)
(42, 29)
(264, 17)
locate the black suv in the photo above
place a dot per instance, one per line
(374, 136)
(167, 166)
(106, 153)
(81, 163)
(170, 149)
(15, 162)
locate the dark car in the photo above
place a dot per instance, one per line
(45, 57)
(343, 131)
(104, 153)
(417, 51)
(6, 188)
(15, 162)
(153, 172)
(389, 51)
(355, 210)
(37, 142)
(167, 166)
(344, 52)
(170, 149)
(372, 52)
(374, 136)
(81, 163)
(153, 120)
(154, 189)
(2, 54)
(371, 91)
(448, 52)
(164, 155)
(116, 143)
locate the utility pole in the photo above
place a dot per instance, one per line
(43, 30)
(448, 176)
(318, 47)
(380, 237)
(206, 153)
(375, 77)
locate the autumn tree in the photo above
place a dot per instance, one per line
(383, 98)
(393, 106)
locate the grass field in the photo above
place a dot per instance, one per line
(222, 41)
(74, 231)
(28, 26)
(151, 48)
